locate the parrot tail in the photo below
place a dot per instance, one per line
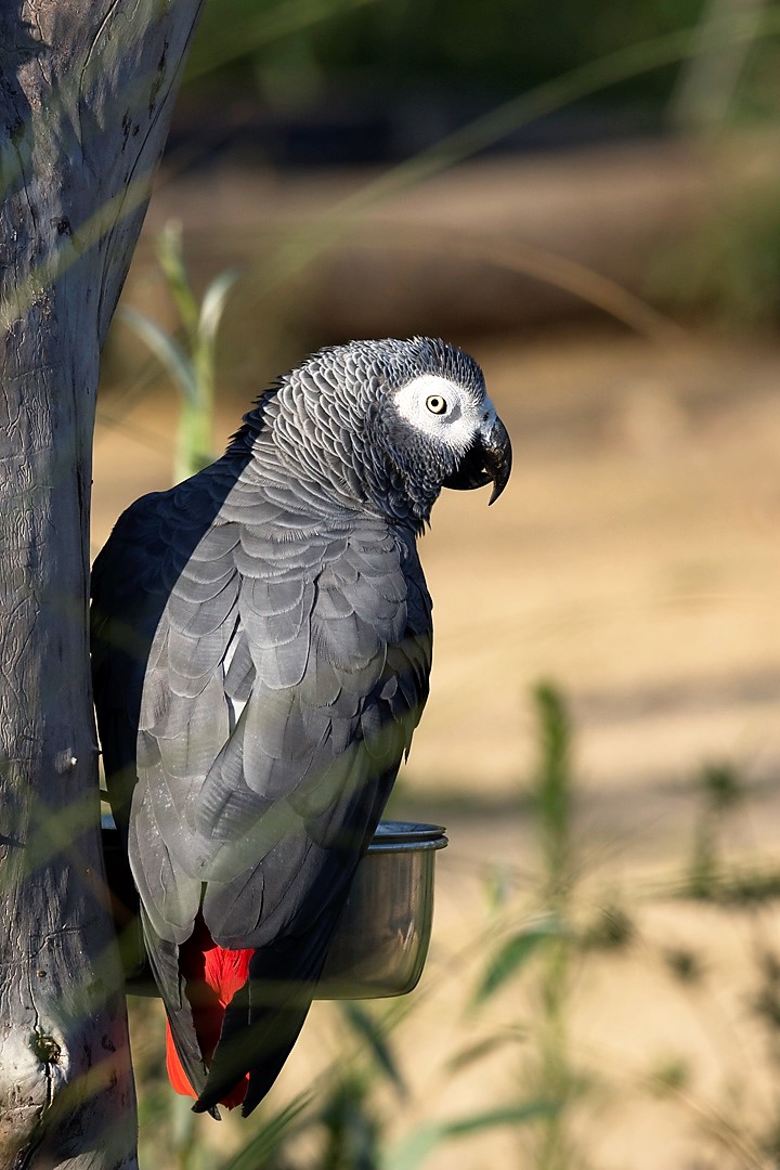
(213, 975)
(263, 1020)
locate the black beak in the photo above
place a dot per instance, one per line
(488, 461)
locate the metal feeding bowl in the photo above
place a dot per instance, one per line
(381, 940)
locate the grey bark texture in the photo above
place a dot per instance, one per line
(86, 88)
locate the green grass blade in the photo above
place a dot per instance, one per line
(268, 1140)
(513, 953)
(373, 1035)
(508, 1115)
(412, 1151)
(170, 255)
(553, 789)
(213, 304)
(168, 351)
(485, 1047)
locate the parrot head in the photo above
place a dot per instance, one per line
(406, 418)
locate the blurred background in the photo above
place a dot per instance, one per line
(587, 198)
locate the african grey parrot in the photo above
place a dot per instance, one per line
(261, 649)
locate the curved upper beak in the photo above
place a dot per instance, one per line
(489, 460)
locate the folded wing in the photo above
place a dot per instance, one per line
(285, 677)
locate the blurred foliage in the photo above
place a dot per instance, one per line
(384, 46)
(191, 366)
(612, 929)
(554, 790)
(670, 1075)
(346, 1117)
(767, 1001)
(512, 954)
(684, 964)
(721, 790)
(530, 956)
(728, 269)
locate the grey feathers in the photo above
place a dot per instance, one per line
(261, 650)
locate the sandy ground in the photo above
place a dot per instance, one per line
(633, 561)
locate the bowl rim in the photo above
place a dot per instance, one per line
(395, 836)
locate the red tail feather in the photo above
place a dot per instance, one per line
(214, 975)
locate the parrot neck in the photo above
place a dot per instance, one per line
(305, 451)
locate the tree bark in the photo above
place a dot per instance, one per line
(86, 88)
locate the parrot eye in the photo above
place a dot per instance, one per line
(436, 404)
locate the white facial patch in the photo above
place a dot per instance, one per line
(443, 410)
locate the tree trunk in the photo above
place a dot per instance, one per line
(86, 88)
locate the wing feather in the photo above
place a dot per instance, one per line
(288, 670)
